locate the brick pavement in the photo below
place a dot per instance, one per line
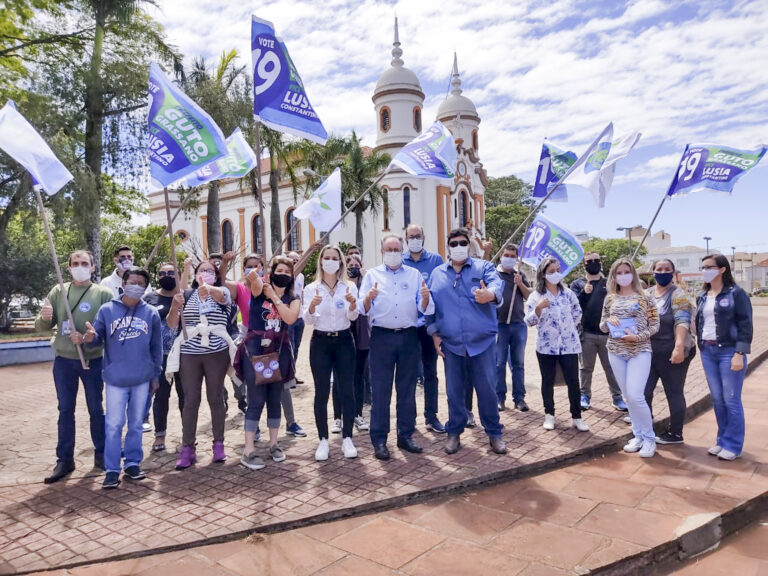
(76, 522)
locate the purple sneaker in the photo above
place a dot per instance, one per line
(218, 452)
(187, 457)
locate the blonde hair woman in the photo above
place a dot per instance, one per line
(631, 317)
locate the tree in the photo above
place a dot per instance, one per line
(501, 221)
(611, 249)
(507, 190)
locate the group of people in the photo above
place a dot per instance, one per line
(379, 329)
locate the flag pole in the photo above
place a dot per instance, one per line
(166, 231)
(59, 277)
(262, 227)
(173, 255)
(288, 235)
(648, 229)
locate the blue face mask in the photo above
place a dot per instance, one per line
(664, 278)
(134, 291)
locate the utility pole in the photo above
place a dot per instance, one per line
(707, 238)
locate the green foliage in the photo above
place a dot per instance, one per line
(501, 221)
(507, 190)
(610, 250)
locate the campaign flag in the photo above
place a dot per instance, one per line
(430, 155)
(279, 98)
(182, 137)
(553, 164)
(545, 238)
(240, 160)
(323, 208)
(23, 143)
(598, 170)
(712, 167)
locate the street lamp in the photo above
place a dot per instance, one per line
(628, 229)
(707, 238)
(733, 258)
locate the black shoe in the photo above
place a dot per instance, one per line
(470, 420)
(409, 445)
(242, 406)
(669, 438)
(61, 470)
(497, 445)
(381, 451)
(98, 461)
(112, 480)
(299, 381)
(135, 473)
(522, 406)
(501, 405)
(453, 444)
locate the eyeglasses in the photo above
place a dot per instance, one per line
(162, 273)
(458, 243)
(709, 268)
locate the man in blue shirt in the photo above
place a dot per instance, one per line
(393, 295)
(466, 293)
(425, 262)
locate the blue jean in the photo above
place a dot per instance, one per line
(725, 387)
(429, 373)
(122, 400)
(464, 373)
(632, 376)
(66, 375)
(510, 347)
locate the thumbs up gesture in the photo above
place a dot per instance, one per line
(483, 295)
(46, 312)
(90, 333)
(316, 299)
(373, 292)
(203, 291)
(349, 297)
(424, 291)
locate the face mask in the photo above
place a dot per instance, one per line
(125, 264)
(554, 277)
(330, 266)
(167, 283)
(508, 263)
(709, 275)
(80, 273)
(593, 267)
(663, 278)
(206, 277)
(248, 271)
(134, 291)
(353, 272)
(281, 280)
(416, 245)
(392, 259)
(459, 253)
(624, 279)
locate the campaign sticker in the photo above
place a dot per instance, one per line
(724, 303)
(267, 373)
(274, 365)
(258, 366)
(85, 306)
(340, 304)
(405, 286)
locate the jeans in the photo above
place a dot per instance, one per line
(259, 395)
(67, 373)
(429, 365)
(673, 379)
(394, 357)
(725, 387)
(510, 347)
(569, 363)
(632, 376)
(122, 400)
(333, 354)
(592, 347)
(162, 401)
(472, 372)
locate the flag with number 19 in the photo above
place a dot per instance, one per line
(712, 167)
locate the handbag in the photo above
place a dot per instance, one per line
(266, 367)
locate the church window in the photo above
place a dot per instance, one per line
(474, 141)
(294, 238)
(385, 120)
(462, 208)
(406, 206)
(256, 244)
(227, 236)
(417, 119)
(385, 203)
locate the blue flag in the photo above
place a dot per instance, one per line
(545, 238)
(240, 160)
(279, 99)
(712, 167)
(553, 164)
(430, 155)
(182, 137)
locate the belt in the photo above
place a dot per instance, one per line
(709, 342)
(331, 334)
(394, 330)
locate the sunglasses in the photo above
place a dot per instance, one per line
(166, 273)
(124, 258)
(592, 260)
(458, 243)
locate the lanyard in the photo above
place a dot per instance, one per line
(74, 308)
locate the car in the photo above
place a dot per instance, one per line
(762, 291)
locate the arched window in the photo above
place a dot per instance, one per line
(406, 206)
(385, 204)
(385, 122)
(474, 141)
(417, 119)
(462, 208)
(256, 244)
(227, 236)
(182, 235)
(293, 242)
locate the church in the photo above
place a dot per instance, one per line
(437, 205)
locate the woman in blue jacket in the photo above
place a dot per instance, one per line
(724, 332)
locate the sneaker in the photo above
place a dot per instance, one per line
(218, 452)
(727, 455)
(135, 473)
(584, 402)
(252, 461)
(470, 420)
(434, 425)
(501, 405)
(323, 449)
(361, 423)
(242, 406)
(420, 382)
(633, 445)
(580, 425)
(112, 480)
(620, 405)
(146, 427)
(648, 449)
(627, 420)
(549, 422)
(187, 457)
(715, 450)
(348, 447)
(669, 438)
(277, 453)
(336, 428)
(257, 435)
(295, 430)
(522, 406)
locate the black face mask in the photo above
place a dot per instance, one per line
(281, 280)
(353, 272)
(593, 267)
(167, 283)
(664, 278)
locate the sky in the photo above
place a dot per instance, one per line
(677, 71)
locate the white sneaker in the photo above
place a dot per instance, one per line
(727, 455)
(146, 427)
(336, 428)
(715, 450)
(360, 423)
(321, 454)
(348, 447)
(633, 445)
(580, 425)
(648, 449)
(627, 420)
(549, 422)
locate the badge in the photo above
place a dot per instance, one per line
(340, 304)
(85, 306)
(65, 327)
(405, 286)
(724, 303)
(274, 365)
(258, 366)
(268, 373)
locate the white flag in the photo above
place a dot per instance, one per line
(596, 174)
(22, 143)
(323, 208)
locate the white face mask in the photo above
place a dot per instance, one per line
(416, 245)
(392, 259)
(709, 275)
(125, 264)
(459, 253)
(80, 273)
(508, 263)
(624, 279)
(330, 266)
(553, 277)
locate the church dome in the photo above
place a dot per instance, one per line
(397, 76)
(456, 104)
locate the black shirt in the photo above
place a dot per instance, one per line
(518, 307)
(591, 304)
(162, 303)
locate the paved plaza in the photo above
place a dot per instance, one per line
(75, 522)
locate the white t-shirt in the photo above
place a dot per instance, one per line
(298, 285)
(709, 331)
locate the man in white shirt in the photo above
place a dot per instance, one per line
(123, 259)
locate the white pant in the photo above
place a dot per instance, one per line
(632, 375)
